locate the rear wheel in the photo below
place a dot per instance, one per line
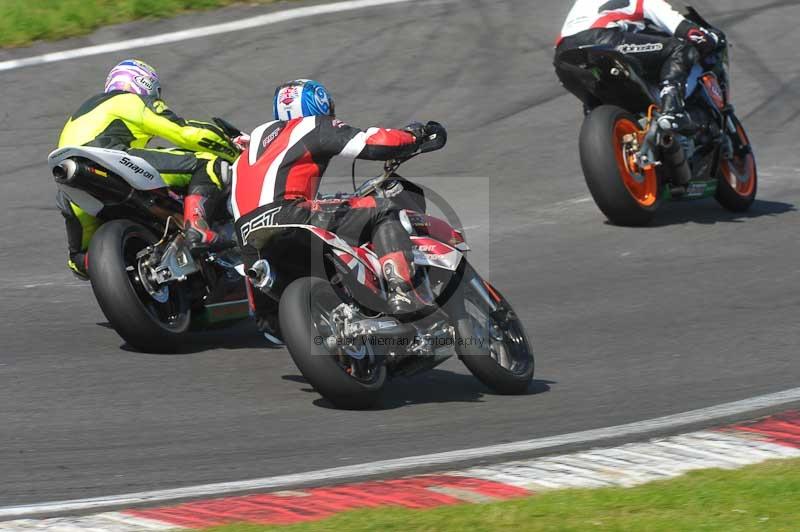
(626, 193)
(738, 177)
(349, 376)
(490, 339)
(147, 319)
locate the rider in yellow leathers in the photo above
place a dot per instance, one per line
(126, 116)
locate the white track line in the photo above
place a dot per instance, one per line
(412, 462)
(195, 33)
(634, 463)
(627, 465)
(371, 468)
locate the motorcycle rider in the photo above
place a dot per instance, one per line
(627, 25)
(283, 167)
(126, 116)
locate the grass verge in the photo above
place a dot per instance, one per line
(760, 497)
(25, 21)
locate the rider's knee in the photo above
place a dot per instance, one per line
(214, 170)
(683, 57)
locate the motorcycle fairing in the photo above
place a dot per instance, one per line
(713, 91)
(136, 171)
(426, 225)
(362, 273)
(427, 251)
(613, 78)
(430, 252)
(599, 73)
(363, 261)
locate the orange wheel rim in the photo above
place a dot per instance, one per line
(740, 172)
(642, 184)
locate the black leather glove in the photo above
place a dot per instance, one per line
(430, 137)
(706, 41)
(416, 128)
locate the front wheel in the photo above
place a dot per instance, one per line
(349, 375)
(490, 339)
(738, 178)
(627, 194)
(150, 319)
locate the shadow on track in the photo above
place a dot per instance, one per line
(709, 212)
(435, 386)
(239, 336)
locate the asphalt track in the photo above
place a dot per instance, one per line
(628, 324)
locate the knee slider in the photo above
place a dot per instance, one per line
(223, 172)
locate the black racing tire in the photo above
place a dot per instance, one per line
(513, 350)
(738, 178)
(127, 306)
(303, 337)
(608, 174)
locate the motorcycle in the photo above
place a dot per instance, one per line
(148, 285)
(632, 165)
(333, 313)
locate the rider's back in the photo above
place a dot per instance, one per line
(108, 120)
(286, 159)
(629, 15)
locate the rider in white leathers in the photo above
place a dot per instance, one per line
(664, 42)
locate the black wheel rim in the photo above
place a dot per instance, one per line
(355, 359)
(171, 314)
(498, 334)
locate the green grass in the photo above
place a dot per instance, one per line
(24, 21)
(761, 497)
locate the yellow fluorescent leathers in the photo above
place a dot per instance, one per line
(121, 120)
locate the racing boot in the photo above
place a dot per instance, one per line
(406, 294)
(198, 233)
(674, 118)
(78, 263)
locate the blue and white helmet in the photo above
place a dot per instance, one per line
(301, 98)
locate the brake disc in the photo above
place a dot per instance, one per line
(160, 293)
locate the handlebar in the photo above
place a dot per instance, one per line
(429, 137)
(229, 129)
(389, 168)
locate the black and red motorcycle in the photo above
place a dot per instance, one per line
(630, 164)
(334, 317)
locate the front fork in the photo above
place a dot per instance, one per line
(732, 144)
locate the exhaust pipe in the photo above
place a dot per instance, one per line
(107, 186)
(674, 160)
(65, 171)
(261, 275)
(98, 182)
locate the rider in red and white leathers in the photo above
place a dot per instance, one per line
(666, 54)
(283, 167)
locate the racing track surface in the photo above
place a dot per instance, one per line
(627, 323)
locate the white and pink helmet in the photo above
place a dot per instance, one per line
(134, 76)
